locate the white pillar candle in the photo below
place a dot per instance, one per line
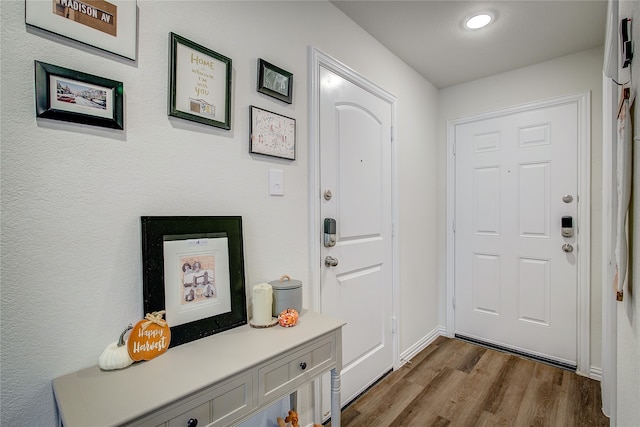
(262, 304)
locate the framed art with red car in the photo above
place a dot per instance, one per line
(75, 96)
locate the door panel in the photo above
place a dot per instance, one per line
(355, 165)
(486, 283)
(360, 158)
(486, 200)
(514, 285)
(533, 304)
(534, 212)
(362, 341)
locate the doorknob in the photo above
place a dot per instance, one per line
(567, 247)
(330, 261)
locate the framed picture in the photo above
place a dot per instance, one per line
(272, 134)
(73, 96)
(193, 268)
(108, 25)
(199, 83)
(274, 81)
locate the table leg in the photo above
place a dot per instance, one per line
(335, 398)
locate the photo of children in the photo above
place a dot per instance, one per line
(198, 278)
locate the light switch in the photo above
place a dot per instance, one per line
(276, 182)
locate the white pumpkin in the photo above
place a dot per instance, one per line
(116, 355)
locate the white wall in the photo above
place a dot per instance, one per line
(563, 76)
(628, 360)
(72, 195)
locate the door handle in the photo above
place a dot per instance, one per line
(330, 261)
(567, 247)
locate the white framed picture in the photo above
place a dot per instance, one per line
(272, 134)
(108, 25)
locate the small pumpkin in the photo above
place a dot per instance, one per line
(149, 338)
(116, 355)
(288, 318)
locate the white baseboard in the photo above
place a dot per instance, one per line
(408, 354)
(595, 373)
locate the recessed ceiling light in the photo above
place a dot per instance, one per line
(478, 21)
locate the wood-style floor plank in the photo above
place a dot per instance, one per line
(480, 388)
(509, 387)
(455, 383)
(434, 400)
(537, 402)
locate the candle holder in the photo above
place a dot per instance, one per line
(274, 322)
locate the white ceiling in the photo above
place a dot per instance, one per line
(428, 34)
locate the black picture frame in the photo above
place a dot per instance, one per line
(199, 83)
(160, 231)
(271, 134)
(74, 96)
(274, 81)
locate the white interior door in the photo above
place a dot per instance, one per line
(515, 281)
(355, 167)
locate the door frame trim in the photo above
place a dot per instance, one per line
(610, 97)
(608, 383)
(316, 59)
(583, 102)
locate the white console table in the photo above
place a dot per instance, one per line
(220, 380)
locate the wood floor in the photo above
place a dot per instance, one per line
(454, 383)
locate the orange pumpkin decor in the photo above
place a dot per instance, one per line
(288, 318)
(149, 338)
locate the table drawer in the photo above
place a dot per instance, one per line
(177, 415)
(215, 406)
(232, 401)
(201, 413)
(292, 370)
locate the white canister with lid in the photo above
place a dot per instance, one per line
(287, 293)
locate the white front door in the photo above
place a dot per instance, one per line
(515, 273)
(355, 168)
